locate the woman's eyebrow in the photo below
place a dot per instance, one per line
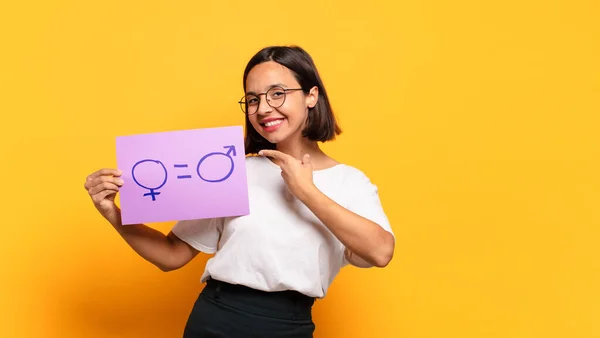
(271, 86)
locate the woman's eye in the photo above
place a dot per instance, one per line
(277, 94)
(253, 101)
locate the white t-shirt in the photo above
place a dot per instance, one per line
(281, 244)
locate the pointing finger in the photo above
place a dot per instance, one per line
(275, 154)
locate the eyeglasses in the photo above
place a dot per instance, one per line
(275, 98)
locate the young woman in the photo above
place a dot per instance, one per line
(309, 215)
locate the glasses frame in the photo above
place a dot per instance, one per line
(242, 101)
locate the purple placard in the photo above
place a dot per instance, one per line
(181, 175)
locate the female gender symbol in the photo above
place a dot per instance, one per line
(152, 190)
(227, 154)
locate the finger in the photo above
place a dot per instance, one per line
(100, 196)
(275, 154)
(90, 180)
(110, 179)
(102, 187)
(306, 159)
(115, 180)
(104, 172)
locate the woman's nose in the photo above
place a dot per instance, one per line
(264, 107)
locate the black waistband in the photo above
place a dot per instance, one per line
(274, 304)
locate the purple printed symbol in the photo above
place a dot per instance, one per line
(182, 166)
(150, 172)
(220, 162)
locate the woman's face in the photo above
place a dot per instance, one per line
(276, 83)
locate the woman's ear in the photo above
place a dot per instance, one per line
(312, 97)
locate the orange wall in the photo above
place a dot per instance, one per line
(478, 120)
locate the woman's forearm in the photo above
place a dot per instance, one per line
(165, 252)
(361, 236)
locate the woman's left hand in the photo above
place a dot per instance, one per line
(298, 175)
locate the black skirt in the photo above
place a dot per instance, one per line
(226, 310)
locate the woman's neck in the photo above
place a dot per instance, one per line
(297, 148)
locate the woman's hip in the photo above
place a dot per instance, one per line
(226, 310)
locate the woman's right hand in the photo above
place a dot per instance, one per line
(102, 186)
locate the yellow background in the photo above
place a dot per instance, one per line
(478, 120)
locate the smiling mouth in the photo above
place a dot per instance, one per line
(272, 123)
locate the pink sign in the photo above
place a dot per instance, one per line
(180, 175)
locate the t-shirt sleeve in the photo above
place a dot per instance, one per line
(201, 234)
(363, 200)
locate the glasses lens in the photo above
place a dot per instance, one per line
(276, 97)
(249, 104)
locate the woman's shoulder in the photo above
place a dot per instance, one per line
(349, 171)
(356, 180)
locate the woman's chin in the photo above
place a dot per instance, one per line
(274, 137)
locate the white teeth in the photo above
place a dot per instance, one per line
(273, 123)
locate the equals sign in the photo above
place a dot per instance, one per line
(182, 166)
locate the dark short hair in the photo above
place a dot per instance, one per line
(321, 125)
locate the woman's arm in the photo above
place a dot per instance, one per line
(355, 260)
(362, 237)
(167, 252)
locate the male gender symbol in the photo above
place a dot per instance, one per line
(228, 154)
